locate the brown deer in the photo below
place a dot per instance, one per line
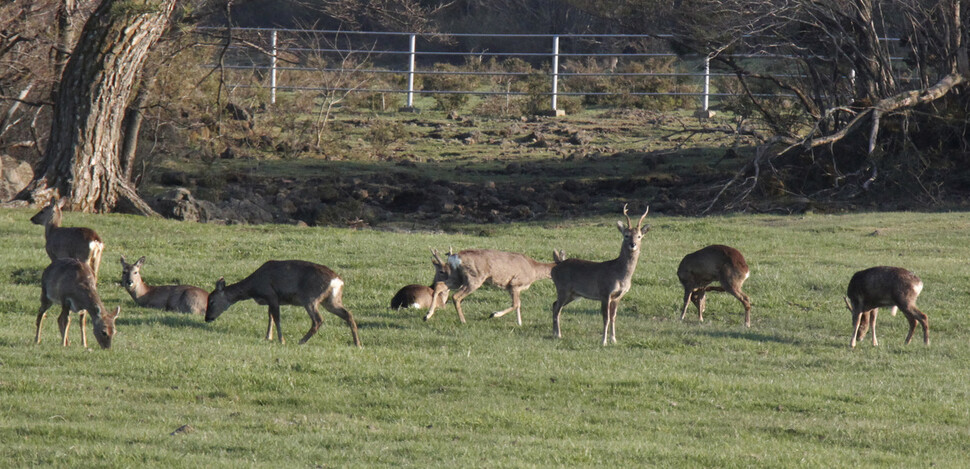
(179, 298)
(883, 286)
(470, 269)
(723, 264)
(70, 282)
(297, 283)
(604, 281)
(78, 243)
(425, 297)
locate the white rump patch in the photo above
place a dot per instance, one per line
(95, 246)
(918, 288)
(454, 261)
(747, 274)
(416, 305)
(335, 285)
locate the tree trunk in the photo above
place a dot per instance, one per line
(81, 161)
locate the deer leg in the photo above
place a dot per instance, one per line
(274, 315)
(315, 321)
(269, 326)
(457, 298)
(874, 313)
(614, 305)
(342, 313)
(856, 318)
(64, 323)
(45, 304)
(561, 301)
(863, 325)
(605, 307)
(745, 301)
(915, 315)
(516, 305)
(84, 330)
(700, 300)
(687, 299)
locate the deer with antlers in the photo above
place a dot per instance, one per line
(79, 243)
(468, 270)
(606, 281)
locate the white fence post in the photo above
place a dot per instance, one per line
(272, 69)
(707, 82)
(413, 49)
(555, 73)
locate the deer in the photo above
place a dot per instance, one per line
(606, 281)
(468, 270)
(717, 262)
(79, 243)
(178, 298)
(424, 297)
(884, 286)
(292, 282)
(71, 283)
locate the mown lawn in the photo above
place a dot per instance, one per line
(788, 391)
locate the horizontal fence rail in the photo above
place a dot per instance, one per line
(569, 65)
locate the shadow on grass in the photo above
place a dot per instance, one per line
(748, 335)
(196, 321)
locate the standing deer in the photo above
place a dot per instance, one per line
(470, 269)
(180, 298)
(604, 281)
(78, 243)
(424, 297)
(716, 262)
(882, 286)
(71, 283)
(297, 283)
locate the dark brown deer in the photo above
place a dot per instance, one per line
(884, 286)
(606, 281)
(179, 298)
(297, 283)
(78, 243)
(719, 263)
(70, 283)
(470, 269)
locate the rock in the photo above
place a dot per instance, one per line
(178, 204)
(14, 176)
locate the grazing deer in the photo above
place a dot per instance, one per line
(180, 298)
(604, 281)
(78, 243)
(882, 286)
(716, 262)
(71, 283)
(297, 283)
(422, 297)
(470, 269)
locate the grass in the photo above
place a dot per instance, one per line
(786, 391)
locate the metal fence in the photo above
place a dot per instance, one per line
(580, 65)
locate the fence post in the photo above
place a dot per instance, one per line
(272, 69)
(555, 75)
(412, 49)
(705, 112)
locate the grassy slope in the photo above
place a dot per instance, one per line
(488, 393)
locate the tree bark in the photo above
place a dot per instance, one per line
(81, 161)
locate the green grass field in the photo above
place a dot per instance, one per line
(788, 391)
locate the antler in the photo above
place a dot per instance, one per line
(640, 223)
(434, 254)
(629, 223)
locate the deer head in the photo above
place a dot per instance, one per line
(131, 273)
(218, 301)
(632, 235)
(104, 326)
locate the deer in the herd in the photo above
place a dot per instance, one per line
(606, 281)
(421, 296)
(297, 283)
(468, 270)
(78, 243)
(179, 298)
(70, 283)
(884, 286)
(719, 263)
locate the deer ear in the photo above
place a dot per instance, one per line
(619, 226)
(220, 284)
(117, 312)
(61, 202)
(140, 262)
(645, 229)
(122, 260)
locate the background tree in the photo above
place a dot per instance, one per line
(81, 160)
